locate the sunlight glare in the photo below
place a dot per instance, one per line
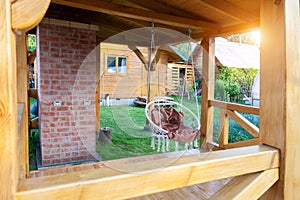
(255, 37)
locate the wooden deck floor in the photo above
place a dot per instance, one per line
(199, 191)
(195, 192)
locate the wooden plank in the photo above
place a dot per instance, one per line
(22, 97)
(227, 30)
(279, 95)
(244, 143)
(234, 106)
(243, 122)
(164, 8)
(26, 16)
(135, 13)
(136, 179)
(224, 127)
(208, 80)
(8, 105)
(229, 9)
(250, 186)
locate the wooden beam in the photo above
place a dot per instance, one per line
(160, 7)
(8, 105)
(125, 11)
(26, 15)
(208, 79)
(234, 106)
(139, 54)
(229, 9)
(141, 178)
(244, 143)
(280, 91)
(22, 97)
(244, 123)
(250, 186)
(227, 30)
(155, 59)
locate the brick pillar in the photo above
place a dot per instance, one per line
(67, 74)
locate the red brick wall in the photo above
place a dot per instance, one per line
(67, 73)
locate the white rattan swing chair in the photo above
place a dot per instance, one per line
(157, 125)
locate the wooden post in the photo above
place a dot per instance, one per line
(224, 126)
(98, 82)
(208, 82)
(280, 91)
(22, 97)
(8, 105)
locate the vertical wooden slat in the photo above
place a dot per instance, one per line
(208, 80)
(22, 97)
(280, 91)
(8, 105)
(224, 126)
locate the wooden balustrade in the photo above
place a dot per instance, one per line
(231, 110)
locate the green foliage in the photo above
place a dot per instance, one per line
(235, 82)
(220, 93)
(31, 42)
(33, 138)
(236, 132)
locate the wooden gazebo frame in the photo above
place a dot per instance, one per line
(270, 165)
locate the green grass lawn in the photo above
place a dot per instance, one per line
(128, 136)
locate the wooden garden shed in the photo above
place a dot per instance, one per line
(265, 167)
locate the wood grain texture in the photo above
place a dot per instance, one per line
(273, 86)
(118, 183)
(227, 30)
(26, 15)
(244, 143)
(22, 97)
(292, 157)
(224, 127)
(234, 106)
(208, 80)
(8, 105)
(229, 9)
(280, 91)
(130, 12)
(250, 186)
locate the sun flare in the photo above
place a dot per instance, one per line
(255, 37)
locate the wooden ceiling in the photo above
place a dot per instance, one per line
(202, 17)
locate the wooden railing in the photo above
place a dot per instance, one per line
(232, 110)
(118, 180)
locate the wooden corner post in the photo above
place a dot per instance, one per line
(208, 82)
(8, 105)
(280, 91)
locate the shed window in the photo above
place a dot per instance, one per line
(116, 64)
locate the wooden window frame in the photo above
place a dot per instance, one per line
(117, 65)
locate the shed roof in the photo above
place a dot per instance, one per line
(237, 55)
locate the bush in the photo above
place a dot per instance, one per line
(236, 83)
